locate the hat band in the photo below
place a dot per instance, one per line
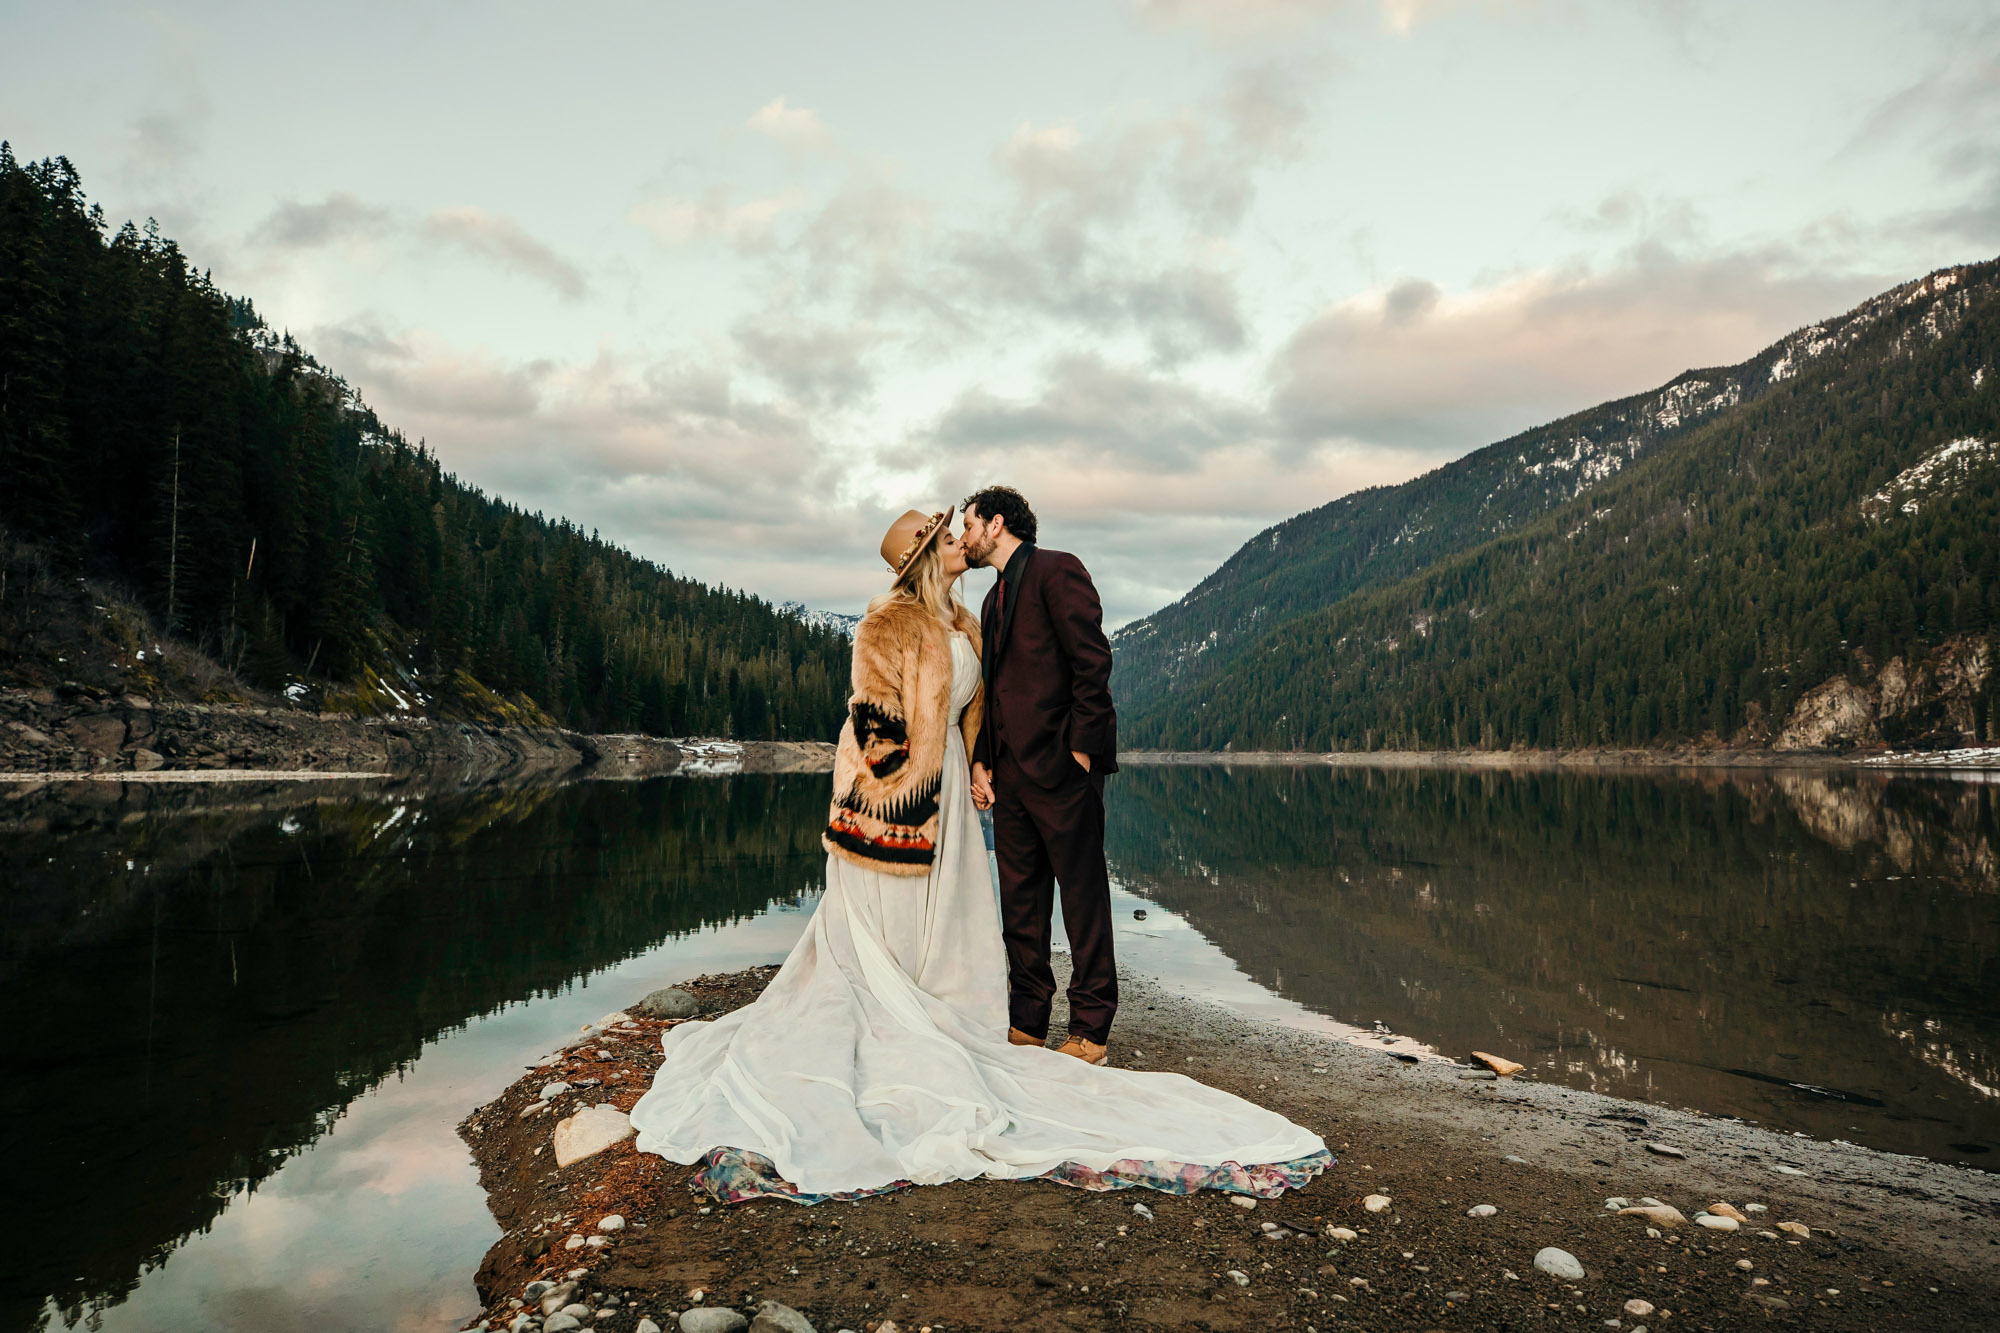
(917, 542)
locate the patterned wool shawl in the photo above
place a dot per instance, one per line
(889, 766)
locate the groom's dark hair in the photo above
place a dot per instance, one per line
(1004, 502)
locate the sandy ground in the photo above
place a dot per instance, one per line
(1895, 1242)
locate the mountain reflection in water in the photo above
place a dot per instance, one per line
(1816, 951)
(200, 982)
(204, 982)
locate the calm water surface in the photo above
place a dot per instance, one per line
(248, 1022)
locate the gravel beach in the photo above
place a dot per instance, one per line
(1876, 1241)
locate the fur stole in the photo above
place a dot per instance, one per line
(889, 766)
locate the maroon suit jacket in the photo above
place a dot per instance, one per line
(1048, 671)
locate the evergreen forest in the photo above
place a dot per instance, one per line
(1833, 510)
(156, 436)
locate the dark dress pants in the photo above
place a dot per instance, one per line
(1043, 837)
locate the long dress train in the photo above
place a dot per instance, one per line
(878, 1056)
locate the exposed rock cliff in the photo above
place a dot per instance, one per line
(1941, 702)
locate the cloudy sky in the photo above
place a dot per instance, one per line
(735, 284)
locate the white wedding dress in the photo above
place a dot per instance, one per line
(879, 1052)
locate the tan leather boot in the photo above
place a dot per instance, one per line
(1020, 1038)
(1084, 1049)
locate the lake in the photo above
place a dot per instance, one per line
(250, 1019)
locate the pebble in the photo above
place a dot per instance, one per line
(1716, 1223)
(1343, 1234)
(1665, 1150)
(1376, 1203)
(648, 1326)
(575, 1310)
(1616, 1202)
(1143, 1211)
(1784, 1170)
(1559, 1264)
(712, 1319)
(521, 1321)
(1517, 1161)
(573, 1243)
(1660, 1214)
(672, 1002)
(611, 1222)
(1243, 1201)
(1756, 1208)
(536, 1290)
(1239, 1277)
(1768, 1235)
(1481, 1210)
(1727, 1210)
(551, 1091)
(1745, 1265)
(1460, 1297)
(1479, 1075)
(596, 1242)
(1799, 1229)
(560, 1323)
(1637, 1308)
(773, 1317)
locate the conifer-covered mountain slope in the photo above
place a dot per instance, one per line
(1376, 536)
(1813, 564)
(157, 439)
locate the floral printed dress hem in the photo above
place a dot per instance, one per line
(734, 1175)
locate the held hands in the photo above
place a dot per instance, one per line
(982, 780)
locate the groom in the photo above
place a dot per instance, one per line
(1049, 737)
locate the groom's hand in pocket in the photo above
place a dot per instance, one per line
(982, 788)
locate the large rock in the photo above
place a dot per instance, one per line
(1559, 1264)
(672, 1002)
(775, 1318)
(712, 1319)
(590, 1131)
(1838, 715)
(99, 733)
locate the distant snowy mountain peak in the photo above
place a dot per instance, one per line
(836, 621)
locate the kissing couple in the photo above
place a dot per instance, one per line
(904, 1041)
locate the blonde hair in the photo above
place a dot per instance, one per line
(926, 584)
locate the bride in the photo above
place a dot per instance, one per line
(878, 1055)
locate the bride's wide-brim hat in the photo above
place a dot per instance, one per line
(909, 535)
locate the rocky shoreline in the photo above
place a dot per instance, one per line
(1755, 757)
(1459, 1199)
(75, 731)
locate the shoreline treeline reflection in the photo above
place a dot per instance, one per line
(1813, 951)
(200, 986)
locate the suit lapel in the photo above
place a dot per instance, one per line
(1015, 596)
(989, 633)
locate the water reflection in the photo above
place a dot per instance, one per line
(1815, 951)
(205, 984)
(199, 987)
